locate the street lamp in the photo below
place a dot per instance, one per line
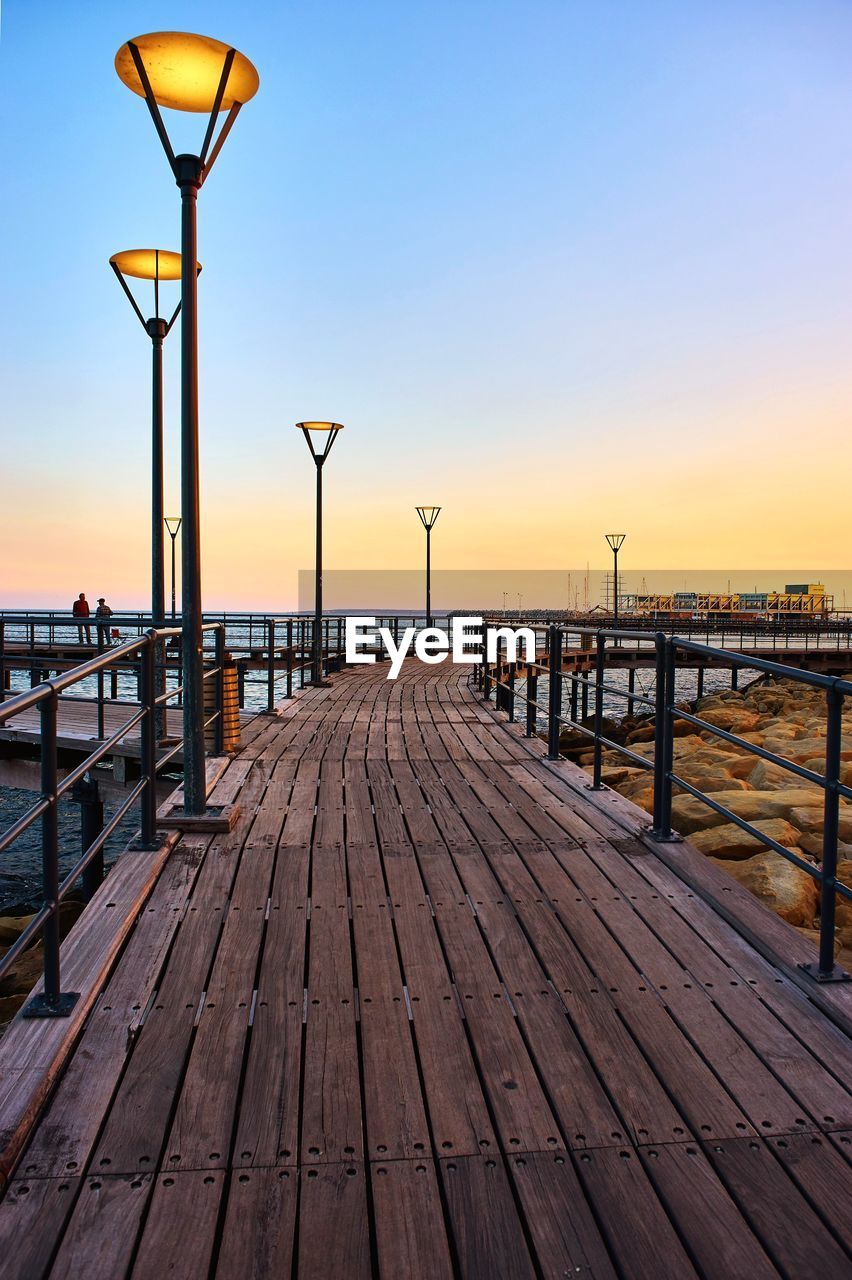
(173, 524)
(615, 540)
(428, 516)
(191, 73)
(155, 265)
(325, 434)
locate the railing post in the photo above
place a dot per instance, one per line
(659, 732)
(87, 795)
(510, 692)
(289, 657)
(3, 660)
(100, 683)
(270, 665)
(532, 698)
(52, 1002)
(148, 692)
(826, 970)
(600, 654)
(219, 723)
(666, 743)
(554, 699)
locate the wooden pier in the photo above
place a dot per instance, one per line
(432, 1009)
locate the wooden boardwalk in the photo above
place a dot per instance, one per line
(434, 1009)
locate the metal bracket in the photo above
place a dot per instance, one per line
(836, 975)
(42, 1006)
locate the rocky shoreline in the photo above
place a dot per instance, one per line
(784, 717)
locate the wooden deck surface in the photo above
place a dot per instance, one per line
(77, 725)
(434, 1009)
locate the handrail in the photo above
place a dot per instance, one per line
(47, 697)
(501, 675)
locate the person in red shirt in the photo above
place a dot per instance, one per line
(81, 610)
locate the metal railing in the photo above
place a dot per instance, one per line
(272, 652)
(46, 698)
(501, 675)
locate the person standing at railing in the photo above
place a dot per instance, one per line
(103, 612)
(81, 609)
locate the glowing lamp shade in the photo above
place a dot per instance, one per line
(148, 264)
(319, 426)
(184, 71)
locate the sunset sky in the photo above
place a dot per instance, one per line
(559, 267)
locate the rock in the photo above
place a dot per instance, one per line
(645, 734)
(810, 818)
(732, 718)
(689, 814)
(25, 973)
(11, 928)
(789, 891)
(811, 842)
(732, 843)
(766, 776)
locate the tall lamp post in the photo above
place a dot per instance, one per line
(428, 516)
(155, 265)
(615, 540)
(195, 74)
(173, 524)
(316, 434)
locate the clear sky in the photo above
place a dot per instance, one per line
(557, 266)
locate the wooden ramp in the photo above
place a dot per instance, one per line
(435, 1009)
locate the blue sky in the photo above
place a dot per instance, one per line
(555, 265)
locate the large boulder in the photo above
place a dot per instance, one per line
(730, 841)
(690, 814)
(789, 891)
(733, 718)
(766, 776)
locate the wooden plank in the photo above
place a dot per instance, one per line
(100, 1237)
(719, 1238)
(33, 1214)
(268, 1131)
(792, 1234)
(822, 1175)
(33, 1053)
(178, 1200)
(334, 1236)
(411, 1236)
(259, 1231)
(486, 1228)
(634, 1222)
(331, 1097)
(564, 1234)
(64, 1138)
(394, 1117)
